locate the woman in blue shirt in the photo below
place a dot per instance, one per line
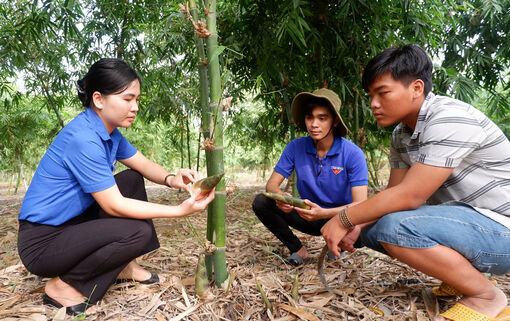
(79, 224)
(331, 172)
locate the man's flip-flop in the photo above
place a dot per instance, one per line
(460, 312)
(296, 260)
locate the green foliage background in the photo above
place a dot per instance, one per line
(270, 51)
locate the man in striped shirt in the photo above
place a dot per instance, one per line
(446, 210)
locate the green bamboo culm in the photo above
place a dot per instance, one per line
(204, 104)
(214, 158)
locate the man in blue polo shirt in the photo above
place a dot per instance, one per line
(331, 173)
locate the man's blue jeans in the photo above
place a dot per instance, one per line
(482, 241)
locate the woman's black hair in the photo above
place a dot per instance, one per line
(106, 76)
(406, 64)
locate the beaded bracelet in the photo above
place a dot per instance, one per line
(166, 178)
(346, 222)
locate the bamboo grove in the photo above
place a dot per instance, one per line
(194, 55)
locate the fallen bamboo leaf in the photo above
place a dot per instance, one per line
(9, 303)
(60, 315)
(37, 317)
(380, 309)
(299, 312)
(184, 314)
(227, 283)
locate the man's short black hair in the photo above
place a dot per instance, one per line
(406, 63)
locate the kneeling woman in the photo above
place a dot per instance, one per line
(79, 224)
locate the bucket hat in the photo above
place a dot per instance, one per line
(331, 100)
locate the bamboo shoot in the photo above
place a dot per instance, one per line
(294, 201)
(206, 184)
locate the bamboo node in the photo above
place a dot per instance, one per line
(209, 247)
(201, 29)
(231, 188)
(200, 26)
(225, 103)
(208, 144)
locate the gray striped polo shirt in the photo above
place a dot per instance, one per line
(451, 133)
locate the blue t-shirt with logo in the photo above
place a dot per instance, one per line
(327, 181)
(81, 160)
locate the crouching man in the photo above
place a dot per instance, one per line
(446, 210)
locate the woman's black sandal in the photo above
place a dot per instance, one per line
(77, 309)
(153, 279)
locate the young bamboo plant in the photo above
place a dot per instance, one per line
(206, 41)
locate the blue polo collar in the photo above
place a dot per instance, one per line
(97, 124)
(334, 150)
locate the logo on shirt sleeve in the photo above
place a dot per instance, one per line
(336, 169)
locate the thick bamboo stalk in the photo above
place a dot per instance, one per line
(215, 157)
(206, 116)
